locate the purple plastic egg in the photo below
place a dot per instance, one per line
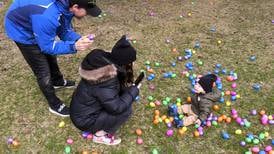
(242, 143)
(268, 148)
(85, 134)
(201, 133)
(200, 128)
(169, 125)
(253, 112)
(271, 122)
(233, 93)
(10, 140)
(242, 123)
(233, 112)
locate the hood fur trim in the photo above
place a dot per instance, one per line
(99, 75)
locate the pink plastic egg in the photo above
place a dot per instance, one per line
(238, 120)
(234, 85)
(169, 133)
(233, 112)
(69, 141)
(157, 102)
(89, 137)
(268, 148)
(255, 149)
(139, 140)
(208, 123)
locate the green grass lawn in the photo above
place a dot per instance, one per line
(244, 28)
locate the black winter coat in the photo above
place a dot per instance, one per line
(99, 90)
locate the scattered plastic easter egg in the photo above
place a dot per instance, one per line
(155, 151)
(268, 148)
(169, 133)
(15, 143)
(9, 140)
(256, 141)
(242, 143)
(238, 132)
(61, 124)
(69, 141)
(90, 136)
(216, 107)
(138, 131)
(139, 141)
(196, 134)
(255, 149)
(67, 149)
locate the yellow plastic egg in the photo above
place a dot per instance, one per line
(228, 103)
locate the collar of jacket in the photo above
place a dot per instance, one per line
(213, 96)
(99, 75)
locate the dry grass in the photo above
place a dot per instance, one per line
(244, 26)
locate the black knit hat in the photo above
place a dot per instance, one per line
(90, 6)
(95, 59)
(123, 52)
(207, 82)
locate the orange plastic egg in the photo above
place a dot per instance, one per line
(157, 112)
(163, 117)
(220, 119)
(196, 133)
(171, 119)
(155, 121)
(216, 108)
(224, 117)
(138, 131)
(85, 152)
(188, 99)
(227, 92)
(181, 132)
(228, 120)
(262, 112)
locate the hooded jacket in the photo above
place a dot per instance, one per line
(99, 90)
(201, 104)
(39, 22)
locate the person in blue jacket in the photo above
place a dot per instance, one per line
(33, 25)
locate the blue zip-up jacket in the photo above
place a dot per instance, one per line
(39, 22)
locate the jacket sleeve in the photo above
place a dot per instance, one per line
(113, 102)
(66, 32)
(205, 109)
(45, 32)
(205, 106)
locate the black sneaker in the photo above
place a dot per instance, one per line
(62, 111)
(65, 84)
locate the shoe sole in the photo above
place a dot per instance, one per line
(56, 113)
(61, 87)
(105, 142)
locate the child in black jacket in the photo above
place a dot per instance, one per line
(103, 99)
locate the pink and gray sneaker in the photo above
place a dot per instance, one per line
(107, 139)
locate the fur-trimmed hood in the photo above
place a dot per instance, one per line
(99, 75)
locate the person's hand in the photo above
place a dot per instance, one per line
(83, 43)
(198, 89)
(139, 85)
(198, 121)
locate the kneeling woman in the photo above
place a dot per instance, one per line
(103, 99)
